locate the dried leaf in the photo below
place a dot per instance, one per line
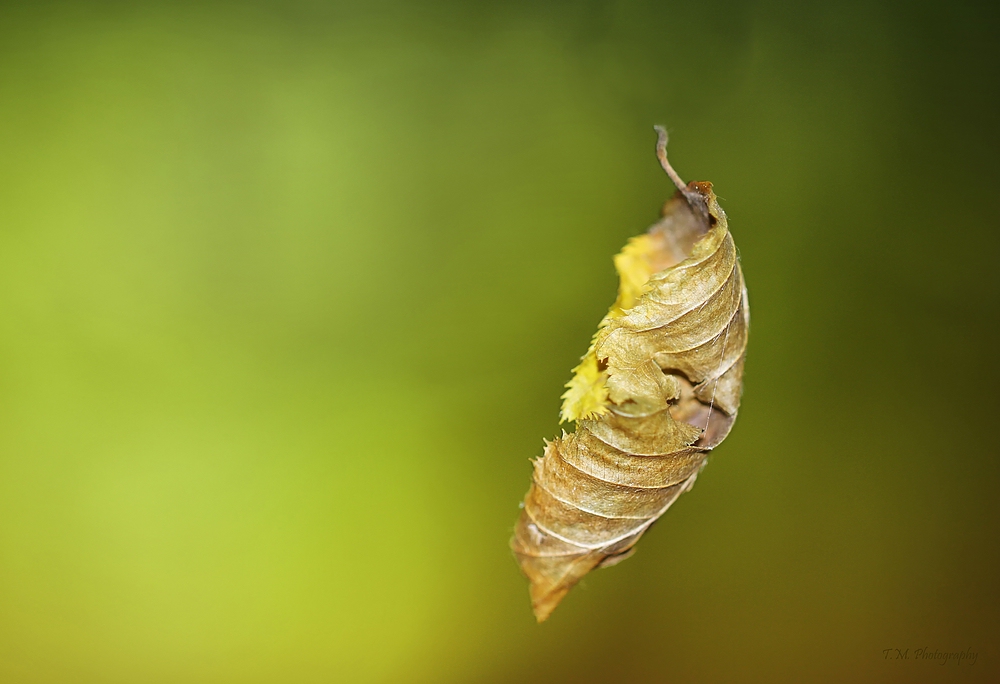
(657, 390)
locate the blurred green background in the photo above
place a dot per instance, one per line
(289, 291)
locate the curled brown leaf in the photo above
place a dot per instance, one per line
(658, 389)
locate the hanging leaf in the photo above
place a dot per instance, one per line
(657, 390)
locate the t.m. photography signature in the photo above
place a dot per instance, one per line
(932, 655)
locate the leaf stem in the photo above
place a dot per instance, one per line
(661, 154)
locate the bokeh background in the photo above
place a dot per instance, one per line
(289, 291)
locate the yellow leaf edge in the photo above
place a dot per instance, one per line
(586, 395)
